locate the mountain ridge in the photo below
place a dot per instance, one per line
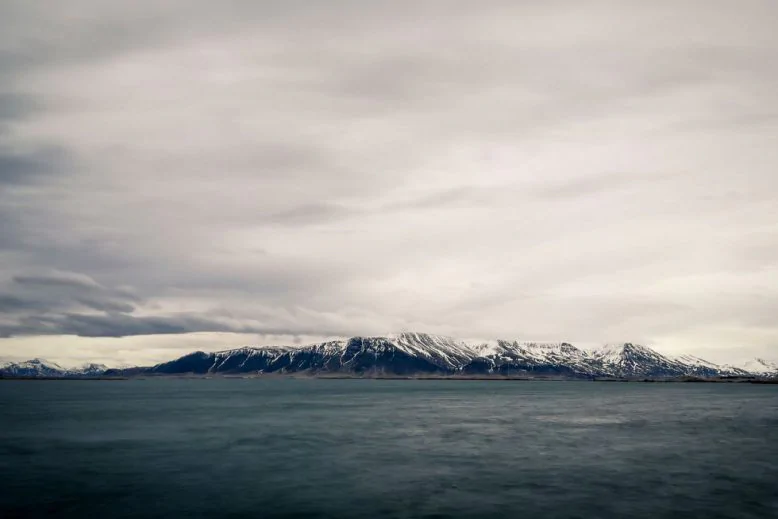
(420, 354)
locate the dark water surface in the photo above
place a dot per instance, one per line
(373, 448)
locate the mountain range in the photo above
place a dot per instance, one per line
(45, 368)
(419, 354)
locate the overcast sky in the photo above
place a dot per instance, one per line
(202, 175)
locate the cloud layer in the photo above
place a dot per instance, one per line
(589, 171)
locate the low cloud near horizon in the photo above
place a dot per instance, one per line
(201, 175)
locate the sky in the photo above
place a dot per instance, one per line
(204, 175)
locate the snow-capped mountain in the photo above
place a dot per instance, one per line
(89, 369)
(633, 360)
(40, 368)
(410, 354)
(32, 368)
(637, 361)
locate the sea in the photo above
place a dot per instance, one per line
(365, 448)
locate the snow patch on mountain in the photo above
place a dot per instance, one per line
(761, 367)
(438, 349)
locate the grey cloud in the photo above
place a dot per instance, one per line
(80, 38)
(119, 325)
(593, 184)
(106, 305)
(462, 197)
(18, 167)
(10, 304)
(13, 304)
(447, 198)
(67, 279)
(12, 235)
(16, 106)
(45, 297)
(123, 325)
(585, 186)
(24, 197)
(728, 121)
(311, 213)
